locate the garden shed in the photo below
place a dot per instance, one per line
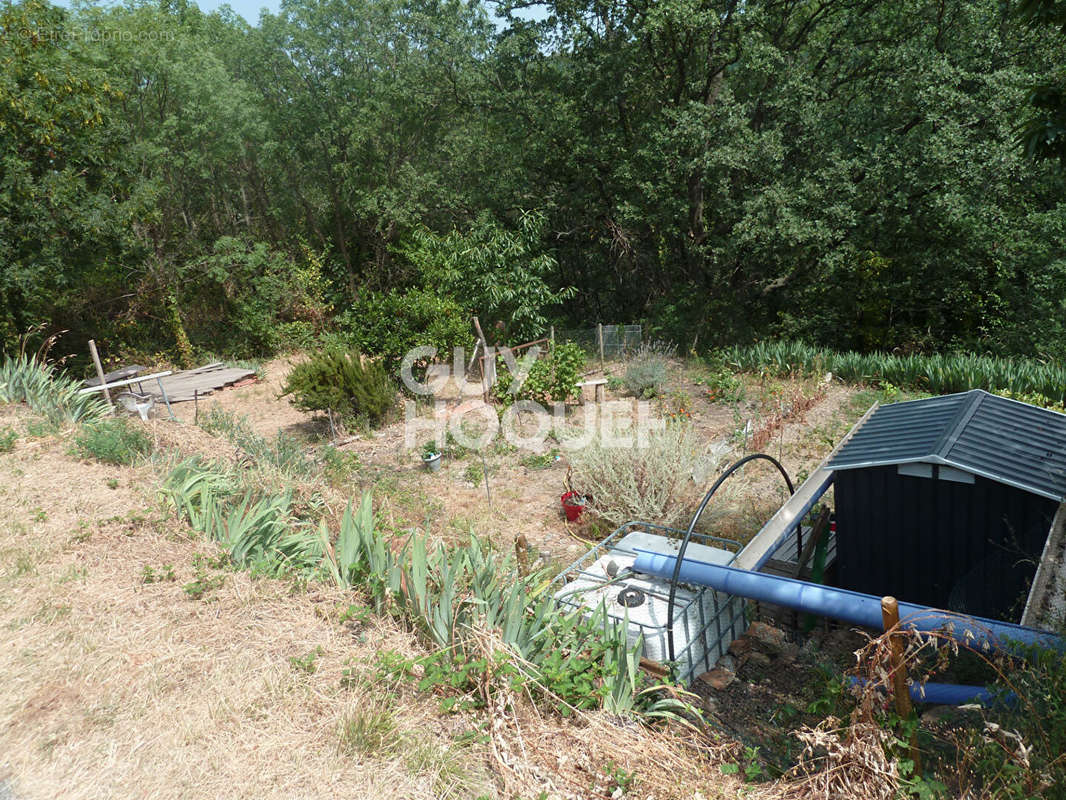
(948, 501)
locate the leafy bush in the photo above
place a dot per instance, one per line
(112, 441)
(344, 383)
(390, 324)
(552, 378)
(253, 299)
(24, 379)
(500, 274)
(937, 373)
(658, 483)
(646, 371)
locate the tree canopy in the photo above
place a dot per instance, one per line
(843, 171)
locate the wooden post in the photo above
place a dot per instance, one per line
(551, 336)
(100, 372)
(485, 365)
(195, 406)
(599, 339)
(890, 621)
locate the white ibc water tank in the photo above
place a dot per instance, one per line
(704, 622)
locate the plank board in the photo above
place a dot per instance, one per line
(184, 386)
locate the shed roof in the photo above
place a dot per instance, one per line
(1004, 440)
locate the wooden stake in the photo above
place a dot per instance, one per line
(599, 338)
(890, 621)
(521, 551)
(195, 406)
(485, 362)
(551, 336)
(100, 372)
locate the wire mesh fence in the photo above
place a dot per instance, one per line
(618, 340)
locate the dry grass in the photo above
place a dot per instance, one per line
(119, 688)
(114, 687)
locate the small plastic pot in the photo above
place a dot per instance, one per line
(432, 463)
(573, 505)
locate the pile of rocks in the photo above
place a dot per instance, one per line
(760, 646)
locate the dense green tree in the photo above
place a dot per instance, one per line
(68, 198)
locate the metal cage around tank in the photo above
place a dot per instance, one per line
(706, 621)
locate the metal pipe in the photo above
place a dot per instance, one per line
(952, 694)
(859, 609)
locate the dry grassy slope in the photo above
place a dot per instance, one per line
(113, 687)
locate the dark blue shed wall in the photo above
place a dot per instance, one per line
(965, 547)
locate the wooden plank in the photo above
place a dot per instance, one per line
(128, 382)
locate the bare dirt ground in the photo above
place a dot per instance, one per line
(121, 682)
(525, 493)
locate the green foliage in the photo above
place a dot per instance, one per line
(722, 385)
(8, 437)
(370, 732)
(259, 531)
(390, 324)
(1043, 133)
(157, 575)
(253, 300)
(344, 383)
(498, 274)
(1020, 752)
(474, 473)
(306, 663)
(647, 370)
(936, 374)
(284, 453)
(112, 441)
(540, 460)
(552, 378)
(46, 391)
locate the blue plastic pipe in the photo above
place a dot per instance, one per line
(953, 694)
(859, 609)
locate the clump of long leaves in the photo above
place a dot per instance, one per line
(937, 373)
(459, 599)
(455, 595)
(260, 531)
(24, 379)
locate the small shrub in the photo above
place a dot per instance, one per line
(659, 482)
(540, 460)
(344, 383)
(307, 662)
(646, 372)
(474, 473)
(8, 437)
(112, 441)
(370, 732)
(551, 379)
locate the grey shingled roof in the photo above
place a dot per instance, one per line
(1004, 440)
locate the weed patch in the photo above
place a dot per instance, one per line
(112, 441)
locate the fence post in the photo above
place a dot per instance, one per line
(551, 335)
(902, 696)
(599, 339)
